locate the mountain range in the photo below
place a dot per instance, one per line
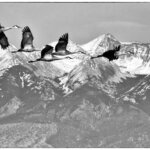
(78, 102)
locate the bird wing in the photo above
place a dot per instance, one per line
(27, 37)
(3, 40)
(46, 50)
(62, 43)
(117, 48)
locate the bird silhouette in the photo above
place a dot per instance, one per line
(47, 55)
(110, 54)
(27, 41)
(61, 46)
(3, 38)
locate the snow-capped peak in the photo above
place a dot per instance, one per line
(101, 44)
(138, 62)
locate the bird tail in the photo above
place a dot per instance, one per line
(32, 61)
(19, 50)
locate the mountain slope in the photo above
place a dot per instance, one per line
(98, 70)
(136, 63)
(21, 90)
(134, 56)
(47, 69)
(80, 102)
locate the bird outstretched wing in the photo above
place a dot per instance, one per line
(62, 43)
(48, 49)
(3, 40)
(27, 37)
(117, 48)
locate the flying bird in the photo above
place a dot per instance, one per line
(61, 46)
(27, 41)
(3, 38)
(47, 55)
(110, 54)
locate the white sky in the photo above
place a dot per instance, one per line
(83, 21)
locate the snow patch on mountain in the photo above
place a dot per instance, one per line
(98, 69)
(101, 44)
(91, 46)
(137, 61)
(67, 64)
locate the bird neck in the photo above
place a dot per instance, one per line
(7, 28)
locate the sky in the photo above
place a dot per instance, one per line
(83, 21)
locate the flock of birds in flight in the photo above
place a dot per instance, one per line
(47, 53)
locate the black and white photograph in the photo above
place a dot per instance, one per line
(74, 74)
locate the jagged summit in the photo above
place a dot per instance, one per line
(136, 63)
(101, 44)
